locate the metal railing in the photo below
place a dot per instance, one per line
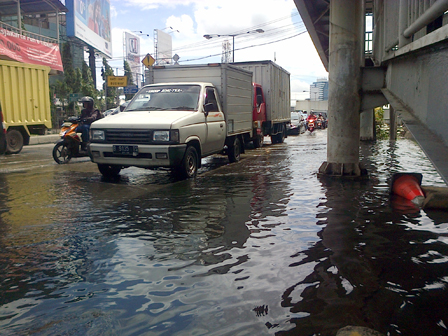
(27, 33)
(414, 15)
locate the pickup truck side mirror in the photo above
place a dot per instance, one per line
(207, 108)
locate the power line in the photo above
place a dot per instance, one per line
(211, 42)
(253, 46)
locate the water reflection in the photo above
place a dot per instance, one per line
(153, 261)
(261, 247)
(374, 266)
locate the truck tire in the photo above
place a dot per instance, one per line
(14, 142)
(61, 153)
(109, 171)
(279, 137)
(259, 140)
(189, 165)
(235, 150)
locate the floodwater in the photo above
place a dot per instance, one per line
(261, 247)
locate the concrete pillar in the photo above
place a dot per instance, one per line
(367, 125)
(392, 123)
(344, 101)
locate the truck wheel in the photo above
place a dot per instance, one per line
(259, 139)
(235, 151)
(189, 165)
(61, 153)
(109, 171)
(279, 137)
(14, 142)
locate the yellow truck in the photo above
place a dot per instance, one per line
(25, 101)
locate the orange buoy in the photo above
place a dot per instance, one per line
(407, 185)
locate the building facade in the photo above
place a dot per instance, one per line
(319, 90)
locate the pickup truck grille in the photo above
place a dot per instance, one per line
(130, 136)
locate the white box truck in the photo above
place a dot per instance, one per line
(190, 112)
(275, 82)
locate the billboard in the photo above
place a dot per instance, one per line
(132, 46)
(89, 20)
(25, 49)
(164, 48)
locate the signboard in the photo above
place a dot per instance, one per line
(74, 97)
(148, 61)
(117, 81)
(25, 49)
(90, 21)
(132, 43)
(164, 47)
(130, 89)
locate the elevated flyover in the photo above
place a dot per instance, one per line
(407, 67)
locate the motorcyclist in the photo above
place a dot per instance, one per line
(312, 117)
(88, 116)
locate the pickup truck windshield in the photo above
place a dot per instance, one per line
(166, 98)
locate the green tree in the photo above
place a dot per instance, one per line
(128, 74)
(74, 81)
(111, 92)
(87, 87)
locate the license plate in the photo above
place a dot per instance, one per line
(126, 150)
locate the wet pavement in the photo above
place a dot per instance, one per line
(260, 247)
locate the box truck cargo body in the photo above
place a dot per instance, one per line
(25, 102)
(275, 82)
(234, 86)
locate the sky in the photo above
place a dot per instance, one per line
(284, 40)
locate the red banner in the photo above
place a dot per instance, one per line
(26, 49)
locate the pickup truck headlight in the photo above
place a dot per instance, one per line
(171, 136)
(97, 135)
(161, 136)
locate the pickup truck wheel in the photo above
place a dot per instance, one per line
(235, 151)
(61, 153)
(109, 171)
(14, 142)
(189, 166)
(259, 139)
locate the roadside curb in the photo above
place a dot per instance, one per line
(44, 139)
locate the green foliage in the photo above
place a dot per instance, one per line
(74, 81)
(382, 130)
(128, 73)
(111, 92)
(87, 87)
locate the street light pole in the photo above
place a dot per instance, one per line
(209, 36)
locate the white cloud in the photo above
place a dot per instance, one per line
(195, 18)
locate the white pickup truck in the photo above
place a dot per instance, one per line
(192, 112)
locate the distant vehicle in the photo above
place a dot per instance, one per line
(297, 125)
(108, 112)
(323, 121)
(2, 133)
(116, 110)
(276, 86)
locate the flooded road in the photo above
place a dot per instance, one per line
(260, 247)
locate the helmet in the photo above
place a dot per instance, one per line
(88, 100)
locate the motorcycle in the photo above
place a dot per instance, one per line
(70, 144)
(311, 126)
